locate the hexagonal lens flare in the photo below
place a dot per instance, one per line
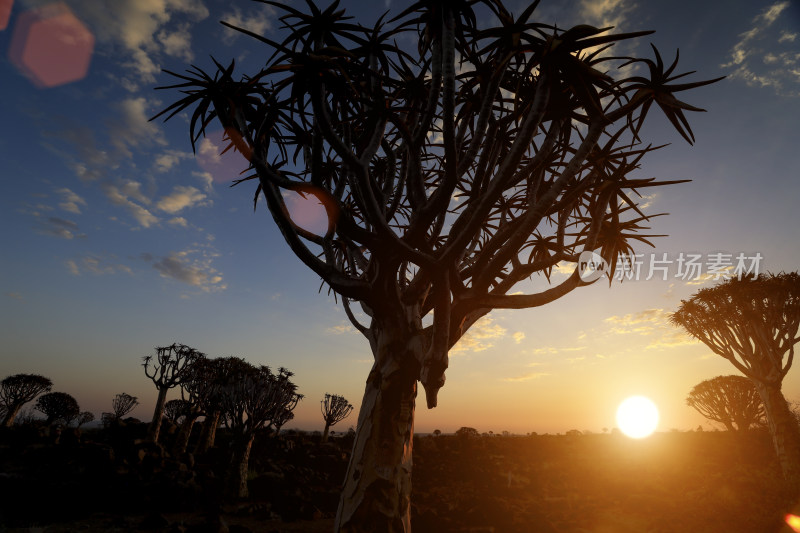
(5, 13)
(51, 46)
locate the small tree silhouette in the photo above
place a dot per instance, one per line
(175, 409)
(19, 389)
(57, 406)
(84, 417)
(334, 409)
(252, 398)
(167, 370)
(122, 404)
(753, 323)
(732, 401)
(197, 392)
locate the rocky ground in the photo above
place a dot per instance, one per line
(672, 482)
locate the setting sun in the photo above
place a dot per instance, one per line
(637, 417)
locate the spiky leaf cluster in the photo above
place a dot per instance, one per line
(450, 171)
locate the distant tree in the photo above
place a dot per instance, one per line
(733, 401)
(122, 404)
(753, 323)
(467, 432)
(437, 432)
(197, 391)
(334, 409)
(450, 175)
(57, 406)
(251, 398)
(19, 389)
(167, 370)
(175, 410)
(84, 417)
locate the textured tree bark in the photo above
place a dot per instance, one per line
(785, 433)
(182, 440)
(11, 415)
(325, 433)
(377, 490)
(207, 433)
(158, 413)
(237, 483)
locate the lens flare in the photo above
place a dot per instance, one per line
(223, 167)
(793, 521)
(51, 46)
(310, 209)
(5, 13)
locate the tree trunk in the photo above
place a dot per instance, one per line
(325, 433)
(785, 433)
(240, 462)
(377, 489)
(182, 440)
(207, 433)
(155, 424)
(11, 415)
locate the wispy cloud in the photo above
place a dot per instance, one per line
(59, 227)
(15, 296)
(97, 265)
(768, 55)
(126, 194)
(340, 329)
(70, 201)
(258, 21)
(192, 266)
(672, 339)
(480, 336)
(180, 198)
(527, 377)
(518, 336)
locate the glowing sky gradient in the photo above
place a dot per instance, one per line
(115, 238)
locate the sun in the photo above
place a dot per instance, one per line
(637, 417)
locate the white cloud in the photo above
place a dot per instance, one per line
(133, 129)
(145, 30)
(180, 198)
(519, 336)
(170, 158)
(124, 194)
(766, 54)
(70, 201)
(603, 13)
(258, 22)
(205, 178)
(341, 329)
(178, 221)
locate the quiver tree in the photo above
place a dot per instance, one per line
(733, 401)
(450, 174)
(57, 406)
(753, 323)
(84, 417)
(167, 369)
(334, 409)
(252, 398)
(122, 404)
(175, 409)
(19, 389)
(196, 392)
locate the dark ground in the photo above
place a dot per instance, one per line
(673, 482)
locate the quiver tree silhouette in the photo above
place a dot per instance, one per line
(252, 398)
(167, 370)
(334, 409)
(197, 393)
(122, 404)
(57, 406)
(753, 323)
(19, 389)
(733, 401)
(175, 410)
(446, 183)
(84, 417)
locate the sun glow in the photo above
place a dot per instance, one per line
(637, 417)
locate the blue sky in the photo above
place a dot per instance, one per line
(115, 238)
